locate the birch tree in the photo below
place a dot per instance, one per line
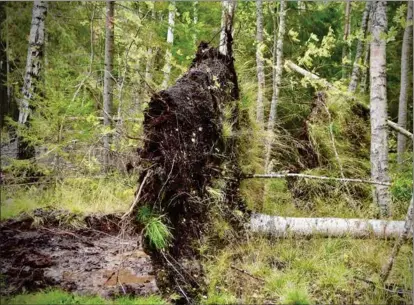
(150, 54)
(378, 107)
(277, 75)
(227, 16)
(334, 227)
(108, 77)
(260, 62)
(34, 58)
(347, 30)
(170, 41)
(195, 21)
(32, 75)
(405, 67)
(360, 48)
(3, 70)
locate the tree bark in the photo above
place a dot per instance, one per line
(400, 130)
(170, 41)
(360, 47)
(150, 58)
(333, 227)
(260, 63)
(405, 67)
(378, 107)
(195, 21)
(4, 101)
(347, 30)
(402, 238)
(108, 78)
(32, 76)
(227, 16)
(277, 76)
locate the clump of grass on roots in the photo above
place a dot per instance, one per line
(157, 232)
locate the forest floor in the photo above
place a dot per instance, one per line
(254, 270)
(93, 256)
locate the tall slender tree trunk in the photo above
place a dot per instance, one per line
(228, 10)
(365, 67)
(405, 67)
(4, 102)
(360, 48)
(378, 107)
(32, 76)
(277, 76)
(195, 21)
(108, 78)
(170, 41)
(347, 31)
(150, 58)
(260, 63)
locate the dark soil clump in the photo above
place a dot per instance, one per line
(186, 153)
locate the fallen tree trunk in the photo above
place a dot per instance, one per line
(328, 85)
(284, 175)
(333, 227)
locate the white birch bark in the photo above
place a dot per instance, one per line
(402, 238)
(34, 58)
(195, 21)
(378, 107)
(365, 67)
(227, 16)
(360, 47)
(108, 78)
(334, 227)
(277, 76)
(260, 63)
(170, 41)
(405, 67)
(347, 31)
(150, 58)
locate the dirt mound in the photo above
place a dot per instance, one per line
(95, 259)
(187, 152)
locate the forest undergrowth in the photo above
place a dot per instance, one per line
(259, 269)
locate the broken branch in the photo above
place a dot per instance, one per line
(284, 175)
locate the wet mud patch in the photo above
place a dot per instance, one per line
(100, 257)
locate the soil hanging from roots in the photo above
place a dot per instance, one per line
(187, 150)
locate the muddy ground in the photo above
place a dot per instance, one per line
(95, 256)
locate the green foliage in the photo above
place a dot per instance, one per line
(77, 194)
(62, 297)
(157, 232)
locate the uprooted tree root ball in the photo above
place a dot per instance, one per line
(191, 162)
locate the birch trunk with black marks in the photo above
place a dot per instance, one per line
(260, 63)
(170, 41)
(32, 76)
(195, 21)
(405, 67)
(347, 31)
(360, 48)
(277, 75)
(333, 227)
(378, 107)
(150, 58)
(108, 78)
(4, 101)
(227, 16)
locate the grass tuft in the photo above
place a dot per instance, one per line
(157, 232)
